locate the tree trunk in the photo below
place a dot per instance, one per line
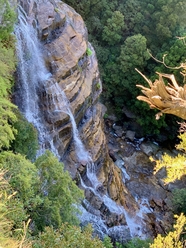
(169, 99)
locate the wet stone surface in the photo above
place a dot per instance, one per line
(132, 157)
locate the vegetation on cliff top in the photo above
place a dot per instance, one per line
(121, 32)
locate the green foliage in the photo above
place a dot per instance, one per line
(112, 31)
(45, 192)
(179, 201)
(105, 116)
(133, 54)
(162, 19)
(26, 140)
(7, 19)
(22, 174)
(59, 193)
(23, 178)
(6, 225)
(107, 242)
(175, 166)
(98, 86)
(7, 116)
(68, 237)
(172, 239)
(7, 67)
(138, 243)
(89, 52)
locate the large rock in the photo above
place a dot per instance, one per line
(65, 43)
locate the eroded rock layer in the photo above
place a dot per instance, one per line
(71, 60)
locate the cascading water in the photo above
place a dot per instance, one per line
(33, 76)
(61, 104)
(32, 70)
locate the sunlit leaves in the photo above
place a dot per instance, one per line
(175, 166)
(7, 117)
(172, 239)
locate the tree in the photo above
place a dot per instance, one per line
(7, 116)
(7, 19)
(168, 99)
(7, 67)
(172, 239)
(162, 19)
(68, 237)
(60, 195)
(5, 223)
(22, 175)
(112, 31)
(26, 138)
(138, 243)
(133, 53)
(179, 201)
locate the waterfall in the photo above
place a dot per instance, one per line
(61, 104)
(32, 70)
(34, 76)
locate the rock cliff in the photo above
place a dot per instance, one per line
(71, 60)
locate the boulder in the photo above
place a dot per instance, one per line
(130, 135)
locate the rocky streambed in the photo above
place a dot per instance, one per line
(152, 196)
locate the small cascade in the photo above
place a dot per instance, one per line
(120, 164)
(61, 105)
(135, 222)
(31, 69)
(96, 221)
(32, 74)
(91, 174)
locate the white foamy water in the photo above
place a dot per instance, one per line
(120, 164)
(32, 75)
(61, 104)
(91, 174)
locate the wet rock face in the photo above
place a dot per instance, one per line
(147, 188)
(65, 43)
(129, 182)
(64, 40)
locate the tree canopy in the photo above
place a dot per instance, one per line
(121, 32)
